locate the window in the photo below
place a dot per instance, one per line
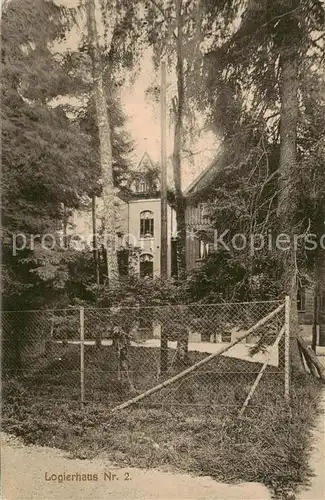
(123, 262)
(146, 224)
(146, 257)
(142, 186)
(300, 298)
(146, 265)
(204, 248)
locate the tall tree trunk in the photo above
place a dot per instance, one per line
(65, 226)
(95, 242)
(106, 159)
(319, 276)
(315, 319)
(182, 342)
(321, 309)
(287, 169)
(178, 135)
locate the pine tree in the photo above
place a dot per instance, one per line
(260, 67)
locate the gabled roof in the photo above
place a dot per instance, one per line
(204, 179)
(142, 163)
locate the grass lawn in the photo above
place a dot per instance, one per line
(193, 427)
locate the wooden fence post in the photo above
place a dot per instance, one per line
(163, 351)
(82, 356)
(287, 349)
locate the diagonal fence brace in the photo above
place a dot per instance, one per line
(200, 363)
(262, 370)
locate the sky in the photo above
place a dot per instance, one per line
(144, 123)
(143, 115)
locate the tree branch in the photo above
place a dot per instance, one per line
(194, 153)
(163, 13)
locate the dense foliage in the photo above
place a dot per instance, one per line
(253, 71)
(244, 79)
(231, 74)
(50, 152)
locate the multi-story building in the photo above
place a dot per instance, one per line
(138, 215)
(138, 218)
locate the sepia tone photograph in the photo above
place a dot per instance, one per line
(163, 250)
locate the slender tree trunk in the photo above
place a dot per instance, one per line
(104, 131)
(65, 226)
(178, 135)
(182, 343)
(319, 271)
(321, 309)
(95, 244)
(287, 170)
(315, 319)
(322, 332)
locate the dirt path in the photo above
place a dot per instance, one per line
(316, 491)
(29, 472)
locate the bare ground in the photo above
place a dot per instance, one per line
(24, 469)
(316, 490)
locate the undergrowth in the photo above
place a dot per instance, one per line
(269, 444)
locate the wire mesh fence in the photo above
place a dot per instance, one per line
(35, 352)
(110, 356)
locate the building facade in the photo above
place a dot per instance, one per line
(311, 308)
(138, 218)
(198, 224)
(138, 221)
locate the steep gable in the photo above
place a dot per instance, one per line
(145, 164)
(205, 180)
(145, 179)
